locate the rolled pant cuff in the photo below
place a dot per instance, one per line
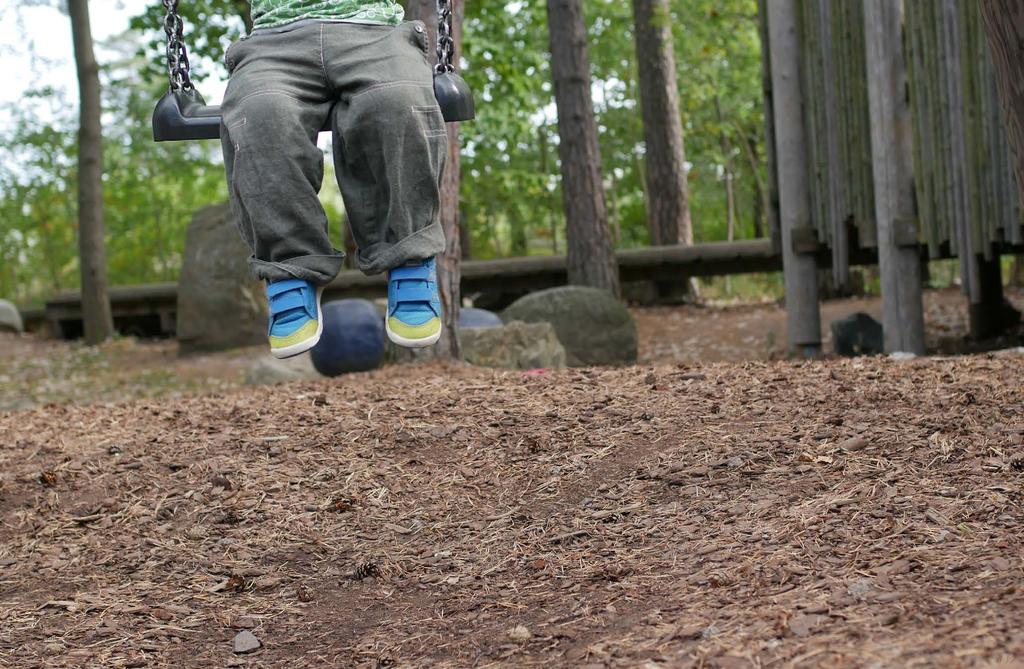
(319, 270)
(420, 245)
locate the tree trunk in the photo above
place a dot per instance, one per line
(729, 175)
(772, 215)
(803, 317)
(96, 317)
(1004, 26)
(668, 207)
(448, 263)
(244, 9)
(542, 141)
(591, 260)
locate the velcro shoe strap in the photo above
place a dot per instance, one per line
(409, 272)
(287, 301)
(419, 292)
(278, 287)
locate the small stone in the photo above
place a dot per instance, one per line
(902, 356)
(520, 633)
(802, 626)
(854, 444)
(689, 632)
(246, 642)
(220, 481)
(244, 622)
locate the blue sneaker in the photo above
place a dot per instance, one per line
(414, 306)
(296, 320)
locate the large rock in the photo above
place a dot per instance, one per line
(269, 369)
(516, 345)
(473, 317)
(220, 306)
(593, 326)
(10, 318)
(857, 334)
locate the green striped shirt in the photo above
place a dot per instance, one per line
(273, 13)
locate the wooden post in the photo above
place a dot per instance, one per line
(892, 160)
(799, 269)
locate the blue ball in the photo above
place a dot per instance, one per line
(471, 317)
(352, 340)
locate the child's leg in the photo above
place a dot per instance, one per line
(275, 104)
(390, 141)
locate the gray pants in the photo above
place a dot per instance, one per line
(374, 85)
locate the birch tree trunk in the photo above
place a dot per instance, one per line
(591, 259)
(668, 208)
(96, 316)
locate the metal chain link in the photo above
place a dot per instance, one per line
(445, 41)
(177, 55)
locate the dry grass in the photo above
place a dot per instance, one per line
(848, 513)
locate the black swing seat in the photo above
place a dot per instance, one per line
(184, 115)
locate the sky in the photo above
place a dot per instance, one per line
(48, 31)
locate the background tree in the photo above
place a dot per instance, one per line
(96, 316)
(668, 209)
(448, 270)
(591, 261)
(510, 196)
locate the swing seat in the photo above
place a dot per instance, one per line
(184, 115)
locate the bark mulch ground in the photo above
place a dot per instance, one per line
(842, 513)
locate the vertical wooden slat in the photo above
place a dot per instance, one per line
(902, 311)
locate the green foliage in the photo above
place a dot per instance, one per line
(510, 190)
(511, 201)
(210, 26)
(150, 190)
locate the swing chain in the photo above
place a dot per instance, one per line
(445, 41)
(177, 55)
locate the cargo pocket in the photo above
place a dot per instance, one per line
(431, 124)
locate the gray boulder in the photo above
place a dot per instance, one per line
(857, 334)
(593, 326)
(10, 318)
(516, 345)
(220, 306)
(269, 369)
